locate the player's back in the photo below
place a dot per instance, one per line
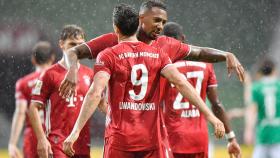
(266, 95)
(175, 49)
(184, 121)
(134, 95)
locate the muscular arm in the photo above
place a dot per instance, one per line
(36, 123)
(43, 145)
(217, 107)
(92, 99)
(78, 52)
(212, 55)
(206, 54)
(68, 85)
(187, 90)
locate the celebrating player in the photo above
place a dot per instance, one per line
(132, 71)
(42, 58)
(152, 16)
(187, 127)
(262, 116)
(61, 113)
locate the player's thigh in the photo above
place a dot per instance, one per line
(274, 151)
(193, 155)
(260, 151)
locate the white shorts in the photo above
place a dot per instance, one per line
(267, 151)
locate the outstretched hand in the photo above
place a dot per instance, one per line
(233, 64)
(68, 85)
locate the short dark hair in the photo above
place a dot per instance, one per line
(266, 66)
(126, 18)
(148, 5)
(71, 31)
(42, 52)
(172, 29)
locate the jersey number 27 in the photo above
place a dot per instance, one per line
(178, 104)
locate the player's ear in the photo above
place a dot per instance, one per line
(116, 29)
(33, 61)
(183, 38)
(52, 59)
(141, 17)
(61, 44)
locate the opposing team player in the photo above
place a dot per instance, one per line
(152, 16)
(61, 113)
(186, 125)
(132, 70)
(42, 58)
(262, 118)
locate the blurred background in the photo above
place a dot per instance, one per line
(250, 29)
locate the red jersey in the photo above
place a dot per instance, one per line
(133, 90)
(175, 49)
(61, 114)
(23, 93)
(186, 125)
(24, 88)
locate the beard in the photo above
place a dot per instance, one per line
(147, 35)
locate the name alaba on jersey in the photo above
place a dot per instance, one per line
(186, 125)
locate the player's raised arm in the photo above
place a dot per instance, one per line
(43, 147)
(90, 50)
(214, 55)
(185, 88)
(68, 85)
(92, 99)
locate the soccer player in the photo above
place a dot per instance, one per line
(187, 127)
(262, 116)
(132, 70)
(42, 58)
(61, 113)
(152, 16)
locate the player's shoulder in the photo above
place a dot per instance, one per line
(163, 37)
(53, 69)
(110, 35)
(166, 39)
(27, 77)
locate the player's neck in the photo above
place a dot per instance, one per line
(40, 68)
(127, 38)
(141, 35)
